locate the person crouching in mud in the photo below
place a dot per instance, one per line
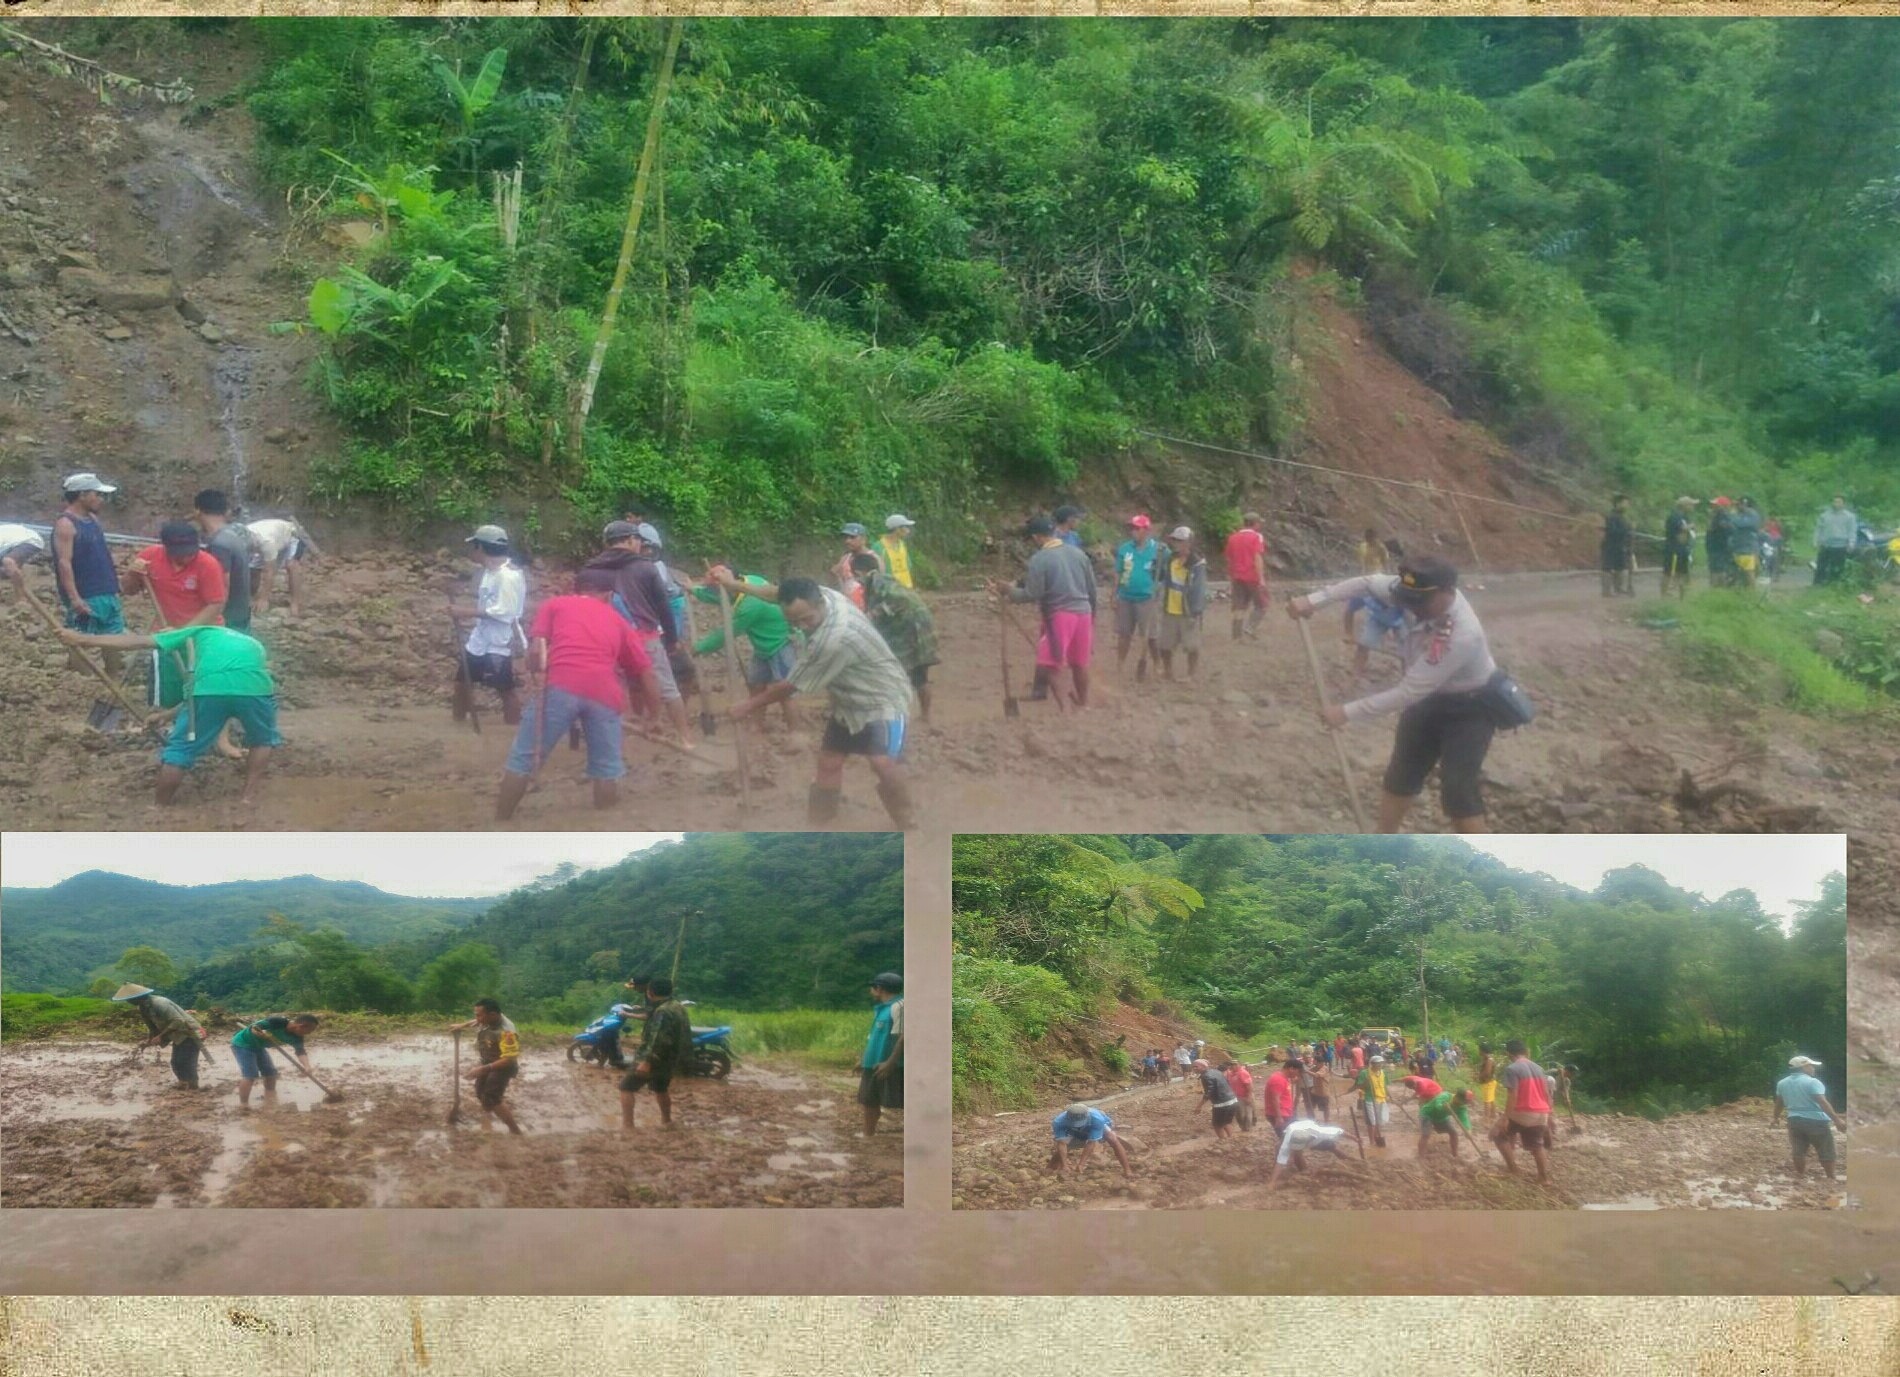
(167, 1025)
(251, 1048)
(1084, 1126)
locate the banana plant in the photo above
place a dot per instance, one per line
(473, 97)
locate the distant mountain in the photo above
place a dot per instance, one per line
(57, 938)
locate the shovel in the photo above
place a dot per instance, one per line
(1011, 708)
(464, 686)
(1355, 1133)
(708, 720)
(1339, 746)
(104, 716)
(329, 1096)
(737, 684)
(455, 1109)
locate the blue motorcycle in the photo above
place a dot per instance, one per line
(710, 1055)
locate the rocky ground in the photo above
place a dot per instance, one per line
(1726, 1158)
(89, 1124)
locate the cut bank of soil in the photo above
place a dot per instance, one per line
(83, 1126)
(1722, 1158)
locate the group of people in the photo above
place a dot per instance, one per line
(666, 1039)
(1517, 1099)
(1742, 544)
(208, 577)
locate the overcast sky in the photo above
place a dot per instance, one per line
(1780, 869)
(432, 865)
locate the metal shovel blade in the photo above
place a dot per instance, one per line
(105, 717)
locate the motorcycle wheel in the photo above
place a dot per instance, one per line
(716, 1064)
(571, 1050)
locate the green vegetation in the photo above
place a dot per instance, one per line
(42, 1015)
(1823, 652)
(907, 263)
(791, 925)
(1665, 1000)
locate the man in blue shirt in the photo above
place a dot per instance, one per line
(1135, 600)
(881, 1072)
(1083, 1126)
(1811, 1119)
(1067, 519)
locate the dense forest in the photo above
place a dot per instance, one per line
(1664, 999)
(772, 921)
(907, 264)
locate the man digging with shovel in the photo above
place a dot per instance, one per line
(250, 1049)
(498, 1062)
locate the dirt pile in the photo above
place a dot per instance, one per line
(86, 1126)
(1727, 1158)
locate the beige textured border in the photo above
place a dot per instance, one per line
(956, 9)
(1106, 1337)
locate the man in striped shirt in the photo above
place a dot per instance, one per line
(868, 688)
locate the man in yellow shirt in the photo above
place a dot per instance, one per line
(895, 547)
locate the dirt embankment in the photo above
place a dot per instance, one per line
(90, 1124)
(1727, 1158)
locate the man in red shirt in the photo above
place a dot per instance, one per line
(1278, 1096)
(580, 646)
(1240, 1079)
(1247, 571)
(1423, 1086)
(188, 584)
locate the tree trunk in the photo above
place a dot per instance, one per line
(604, 337)
(1424, 1000)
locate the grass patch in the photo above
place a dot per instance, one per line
(1823, 653)
(43, 1015)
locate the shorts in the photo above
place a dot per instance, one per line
(872, 739)
(1179, 633)
(771, 669)
(1811, 1133)
(1433, 1126)
(1371, 632)
(599, 723)
(1225, 1114)
(1452, 731)
(291, 551)
(208, 713)
(656, 1081)
(685, 673)
(106, 616)
(492, 1084)
(1136, 617)
(1488, 1092)
(253, 1063)
(662, 670)
(1530, 1135)
(1675, 561)
(1068, 638)
(1248, 595)
(881, 1094)
(497, 671)
(1378, 1111)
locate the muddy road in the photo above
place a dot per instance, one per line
(364, 680)
(1726, 1158)
(83, 1125)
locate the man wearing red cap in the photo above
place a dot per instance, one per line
(1247, 571)
(1135, 600)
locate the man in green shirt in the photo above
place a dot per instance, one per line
(167, 1025)
(905, 623)
(881, 1068)
(251, 1048)
(230, 684)
(663, 1047)
(1437, 1115)
(758, 618)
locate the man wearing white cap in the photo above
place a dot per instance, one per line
(82, 562)
(501, 600)
(1802, 1096)
(894, 547)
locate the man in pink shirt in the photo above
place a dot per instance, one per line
(1241, 1081)
(1247, 572)
(581, 647)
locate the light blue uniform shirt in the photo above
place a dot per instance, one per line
(1798, 1093)
(1067, 1130)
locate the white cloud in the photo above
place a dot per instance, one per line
(418, 864)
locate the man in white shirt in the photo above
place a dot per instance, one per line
(1301, 1137)
(501, 600)
(1445, 717)
(278, 543)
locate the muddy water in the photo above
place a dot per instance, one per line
(82, 1125)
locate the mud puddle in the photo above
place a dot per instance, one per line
(84, 1125)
